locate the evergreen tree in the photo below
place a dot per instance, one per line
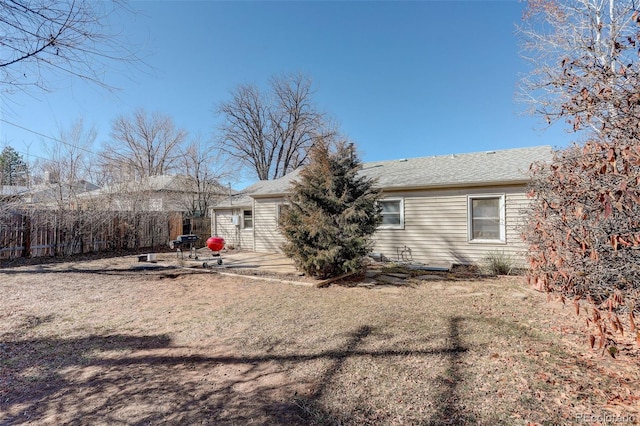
(332, 213)
(13, 169)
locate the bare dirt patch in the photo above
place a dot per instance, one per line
(113, 342)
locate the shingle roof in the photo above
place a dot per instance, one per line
(456, 170)
(273, 187)
(9, 190)
(237, 200)
(177, 183)
(472, 169)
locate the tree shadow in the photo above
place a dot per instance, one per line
(167, 271)
(99, 255)
(448, 406)
(449, 409)
(132, 379)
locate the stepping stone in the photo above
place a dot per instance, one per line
(398, 275)
(442, 267)
(391, 280)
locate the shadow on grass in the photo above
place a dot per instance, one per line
(85, 380)
(166, 271)
(45, 260)
(122, 379)
(449, 409)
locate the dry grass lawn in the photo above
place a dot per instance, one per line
(104, 343)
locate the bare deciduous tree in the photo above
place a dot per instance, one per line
(584, 57)
(72, 152)
(141, 146)
(271, 133)
(202, 164)
(60, 36)
(68, 165)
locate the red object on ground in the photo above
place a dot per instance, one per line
(215, 243)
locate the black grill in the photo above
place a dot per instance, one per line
(185, 241)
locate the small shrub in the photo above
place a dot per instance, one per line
(498, 263)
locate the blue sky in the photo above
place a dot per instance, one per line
(402, 79)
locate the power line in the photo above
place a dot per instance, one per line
(47, 137)
(28, 154)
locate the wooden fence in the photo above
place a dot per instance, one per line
(52, 233)
(200, 226)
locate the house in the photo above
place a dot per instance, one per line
(184, 197)
(9, 193)
(153, 193)
(232, 218)
(53, 195)
(46, 195)
(435, 210)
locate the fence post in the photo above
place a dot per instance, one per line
(26, 235)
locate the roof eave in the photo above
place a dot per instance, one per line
(512, 182)
(233, 206)
(270, 195)
(515, 182)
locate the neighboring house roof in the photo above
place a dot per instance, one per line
(509, 166)
(52, 192)
(156, 193)
(12, 190)
(152, 183)
(47, 193)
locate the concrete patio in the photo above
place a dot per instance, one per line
(243, 259)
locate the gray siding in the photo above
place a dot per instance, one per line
(436, 226)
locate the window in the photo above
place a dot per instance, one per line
(247, 219)
(392, 212)
(486, 218)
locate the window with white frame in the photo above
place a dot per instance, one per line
(392, 212)
(247, 219)
(486, 221)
